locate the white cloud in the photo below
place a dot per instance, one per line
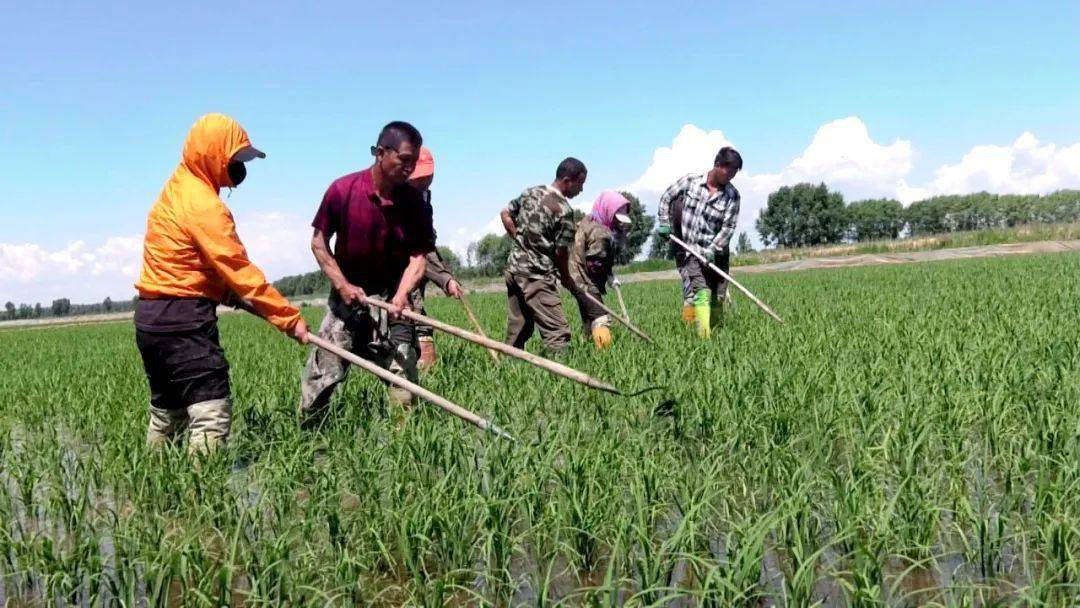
(1023, 167)
(462, 237)
(843, 154)
(30, 273)
(277, 242)
(691, 151)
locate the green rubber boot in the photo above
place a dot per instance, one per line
(702, 312)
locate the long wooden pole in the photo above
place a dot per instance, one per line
(556, 368)
(415, 389)
(622, 303)
(476, 324)
(614, 314)
(727, 277)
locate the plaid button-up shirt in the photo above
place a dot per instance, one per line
(708, 219)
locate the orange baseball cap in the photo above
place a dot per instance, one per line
(425, 164)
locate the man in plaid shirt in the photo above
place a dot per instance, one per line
(702, 209)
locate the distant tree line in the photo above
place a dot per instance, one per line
(63, 307)
(795, 216)
(810, 214)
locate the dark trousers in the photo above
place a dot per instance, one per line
(181, 352)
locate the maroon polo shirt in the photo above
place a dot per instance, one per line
(375, 236)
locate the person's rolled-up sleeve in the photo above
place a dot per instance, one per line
(328, 216)
(674, 191)
(436, 270)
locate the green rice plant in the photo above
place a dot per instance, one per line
(908, 437)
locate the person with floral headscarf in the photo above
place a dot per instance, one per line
(592, 257)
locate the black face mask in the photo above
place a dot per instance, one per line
(237, 173)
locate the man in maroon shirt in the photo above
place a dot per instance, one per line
(384, 230)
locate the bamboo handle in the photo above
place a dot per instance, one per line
(625, 322)
(476, 324)
(727, 277)
(556, 368)
(413, 388)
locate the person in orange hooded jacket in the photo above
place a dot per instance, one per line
(193, 260)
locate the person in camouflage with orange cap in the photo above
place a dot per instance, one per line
(436, 270)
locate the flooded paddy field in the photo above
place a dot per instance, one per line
(910, 437)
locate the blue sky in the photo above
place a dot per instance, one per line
(95, 100)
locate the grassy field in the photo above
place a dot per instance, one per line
(909, 437)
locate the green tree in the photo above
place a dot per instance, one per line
(641, 225)
(660, 250)
(803, 215)
(61, 307)
(742, 244)
(489, 254)
(875, 219)
(10, 309)
(926, 217)
(37, 310)
(303, 284)
(107, 304)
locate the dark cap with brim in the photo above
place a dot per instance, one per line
(243, 155)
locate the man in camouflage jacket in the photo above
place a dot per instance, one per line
(540, 222)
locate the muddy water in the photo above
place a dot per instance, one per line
(941, 579)
(947, 577)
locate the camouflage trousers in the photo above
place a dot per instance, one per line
(535, 303)
(423, 332)
(369, 333)
(696, 276)
(207, 423)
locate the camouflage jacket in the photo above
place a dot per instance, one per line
(592, 255)
(544, 223)
(436, 271)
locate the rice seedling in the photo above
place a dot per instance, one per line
(908, 437)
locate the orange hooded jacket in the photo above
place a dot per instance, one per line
(191, 248)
